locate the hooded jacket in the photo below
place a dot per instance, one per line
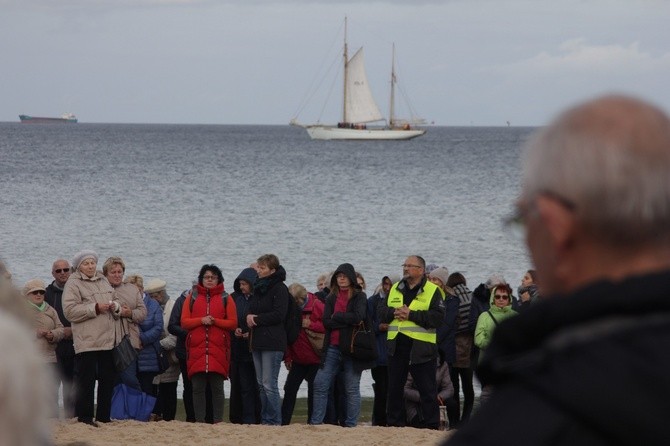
(240, 346)
(269, 303)
(208, 346)
(355, 313)
(487, 323)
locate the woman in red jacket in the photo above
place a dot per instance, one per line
(208, 314)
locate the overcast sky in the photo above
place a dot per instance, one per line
(461, 62)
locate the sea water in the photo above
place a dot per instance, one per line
(170, 198)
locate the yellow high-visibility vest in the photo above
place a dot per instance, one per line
(420, 303)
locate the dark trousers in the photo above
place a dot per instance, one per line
(380, 387)
(465, 375)
(92, 366)
(296, 375)
(188, 397)
(245, 400)
(424, 380)
(166, 403)
(146, 380)
(66, 377)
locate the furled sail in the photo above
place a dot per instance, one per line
(360, 106)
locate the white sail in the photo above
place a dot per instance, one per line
(360, 106)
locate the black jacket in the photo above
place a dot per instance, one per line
(589, 368)
(269, 303)
(174, 326)
(54, 297)
(240, 346)
(357, 308)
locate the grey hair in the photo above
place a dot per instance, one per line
(610, 158)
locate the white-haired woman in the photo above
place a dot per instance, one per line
(88, 304)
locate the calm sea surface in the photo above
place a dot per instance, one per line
(169, 198)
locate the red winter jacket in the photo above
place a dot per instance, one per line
(301, 350)
(208, 347)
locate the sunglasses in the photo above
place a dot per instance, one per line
(37, 292)
(62, 270)
(501, 297)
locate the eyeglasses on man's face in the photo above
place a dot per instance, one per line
(516, 222)
(406, 265)
(62, 270)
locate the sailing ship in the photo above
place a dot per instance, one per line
(360, 109)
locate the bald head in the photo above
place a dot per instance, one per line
(610, 159)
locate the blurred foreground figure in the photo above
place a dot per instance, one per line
(25, 382)
(589, 365)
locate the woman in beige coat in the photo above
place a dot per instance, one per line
(48, 330)
(88, 304)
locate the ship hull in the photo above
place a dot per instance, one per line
(42, 120)
(323, 132)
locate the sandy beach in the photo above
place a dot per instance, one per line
(69, 432)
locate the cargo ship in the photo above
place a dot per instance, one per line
(65, 118)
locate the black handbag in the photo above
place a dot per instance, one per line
(363, 344)
(124, 353)
(163, 359)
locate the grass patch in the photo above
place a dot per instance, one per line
(299, 413)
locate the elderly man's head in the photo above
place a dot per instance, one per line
(598, 176)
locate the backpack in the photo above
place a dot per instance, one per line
(194, 295)
(293, 320)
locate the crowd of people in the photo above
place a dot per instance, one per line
(206, 336)
(583, 363)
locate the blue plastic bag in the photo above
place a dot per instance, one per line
(131, 404)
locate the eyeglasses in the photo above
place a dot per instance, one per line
(37, 292)
(405, 265)
(210, 277)
(515, 223)
(62, 270)
(499, 297)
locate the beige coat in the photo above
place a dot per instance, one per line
(129, 295)
(168, 343)
(90, 331)
(47, 320)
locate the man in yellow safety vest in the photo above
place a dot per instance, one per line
(414, 309)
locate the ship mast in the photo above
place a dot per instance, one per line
(346, 64)
(393, 80)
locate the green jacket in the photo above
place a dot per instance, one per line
(486, 325)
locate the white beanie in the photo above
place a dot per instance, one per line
(83, 255)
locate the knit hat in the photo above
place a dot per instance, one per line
(441, 273)
(33, 285)
(430, 267)
(83, 255)
(154, 286)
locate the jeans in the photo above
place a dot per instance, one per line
(267, 364)
(325, 378)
